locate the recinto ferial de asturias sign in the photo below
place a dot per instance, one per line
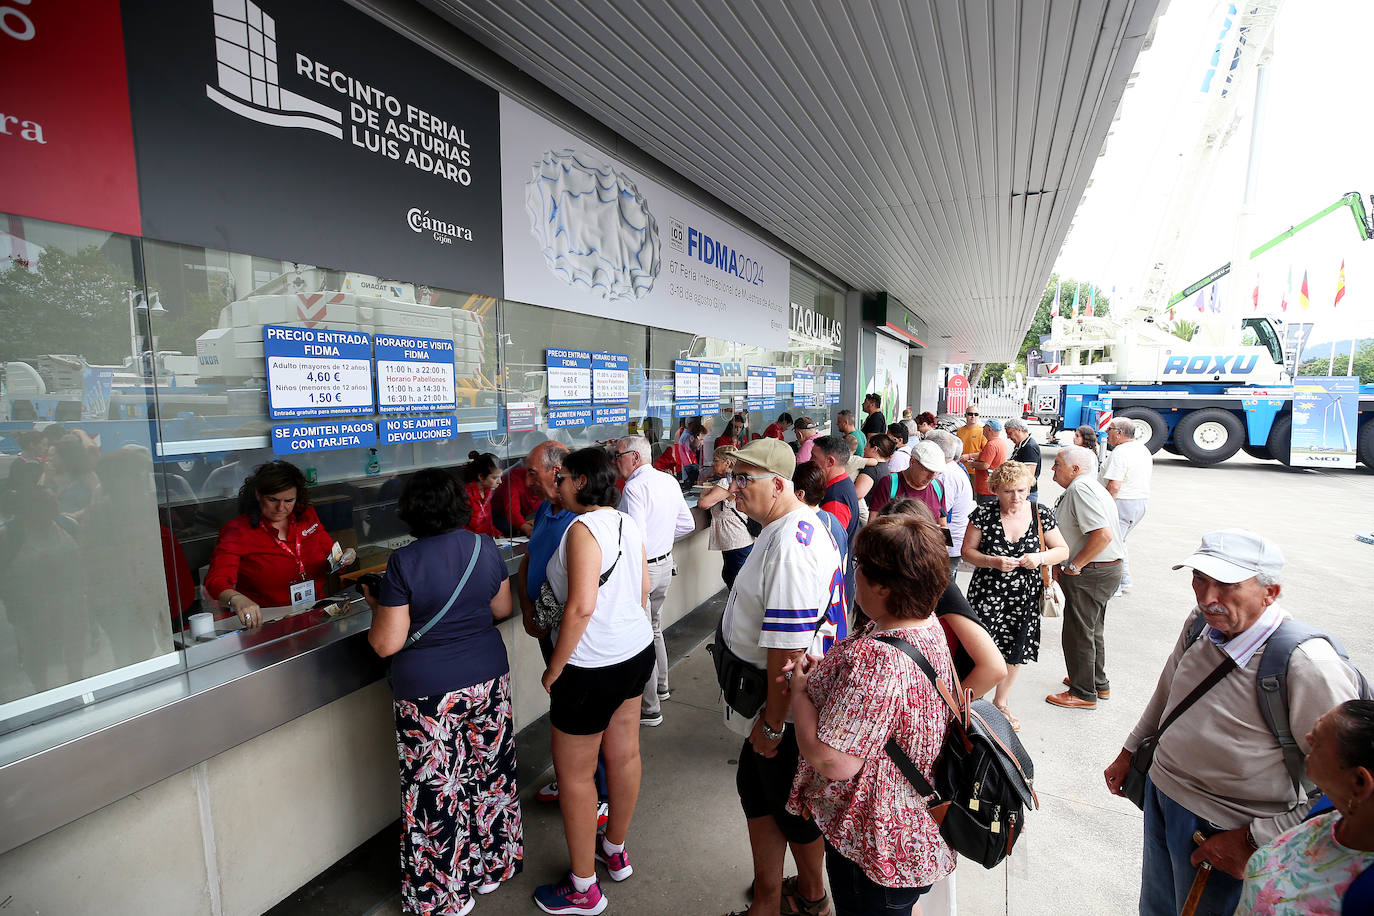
(306, 130)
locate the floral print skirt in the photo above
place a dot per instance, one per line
(461, 808)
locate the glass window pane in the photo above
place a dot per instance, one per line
(88, 582)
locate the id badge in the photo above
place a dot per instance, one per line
(303, 593)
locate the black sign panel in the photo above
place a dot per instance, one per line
(307, 131)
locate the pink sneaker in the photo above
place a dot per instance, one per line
(617, 863)
(566, 898)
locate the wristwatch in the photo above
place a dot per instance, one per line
(1070, 567)
(768, 731)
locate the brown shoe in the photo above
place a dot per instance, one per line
(1069, 701)
(1101, 694)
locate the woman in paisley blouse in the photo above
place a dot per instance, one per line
(1310, 868)
(882, 848)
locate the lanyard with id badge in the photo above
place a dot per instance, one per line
(303, 588)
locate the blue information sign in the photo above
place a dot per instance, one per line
(564, 417)
(414, 374)
(832, 388)
(602, 415)
(294, 438)
(417, 429)
(317, 372)
(610, 378)
(570, 376)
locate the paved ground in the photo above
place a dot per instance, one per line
(1081, 852)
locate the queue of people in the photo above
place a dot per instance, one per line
(812, 587)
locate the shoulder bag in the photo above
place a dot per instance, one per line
(984, 778)
(548, 610)
(1142, 758)
(1051, 596)
(448, 605)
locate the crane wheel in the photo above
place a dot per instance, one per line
(1279, 439)
(1209, 436)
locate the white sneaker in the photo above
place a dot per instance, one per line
(664, 694)
(652, 721)
(488, 888)
(547, 793)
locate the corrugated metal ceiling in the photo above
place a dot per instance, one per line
(932, 148)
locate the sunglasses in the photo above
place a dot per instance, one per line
(970, 414)
(616, 456)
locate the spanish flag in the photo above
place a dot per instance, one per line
(1340, 285)
(1303, 300)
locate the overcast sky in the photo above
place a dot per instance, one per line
(1314, 146)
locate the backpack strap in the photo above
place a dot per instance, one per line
(1271, 686)
(892, 486)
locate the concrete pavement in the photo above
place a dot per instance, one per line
(1081, 851)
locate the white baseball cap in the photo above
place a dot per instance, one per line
(1235, 555)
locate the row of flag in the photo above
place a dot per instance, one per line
(1304, 300)
(1207, 300)
(1077, 288)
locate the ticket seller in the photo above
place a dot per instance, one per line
(276, 552)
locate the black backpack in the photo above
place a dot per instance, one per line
(984, 778)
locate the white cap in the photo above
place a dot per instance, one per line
(929, 456)
(1234, 555)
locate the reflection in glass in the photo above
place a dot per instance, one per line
(84, 595)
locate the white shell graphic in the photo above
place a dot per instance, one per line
(592, 224)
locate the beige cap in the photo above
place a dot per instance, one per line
(770, 454)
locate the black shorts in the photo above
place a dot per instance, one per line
(583, 700)
(764, 783)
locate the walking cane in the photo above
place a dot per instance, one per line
(1199, 882)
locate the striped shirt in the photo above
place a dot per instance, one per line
(792, 577)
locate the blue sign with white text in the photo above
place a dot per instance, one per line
(564, 417)
(414, 374)
(417, 429)
(317, 372)
(603, 415)
(294, 438)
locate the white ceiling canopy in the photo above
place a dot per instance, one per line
(934, 149)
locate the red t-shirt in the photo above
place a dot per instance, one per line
(774, 431)
(995, 453)
(251, 559)
(479, 501)
(515, 500)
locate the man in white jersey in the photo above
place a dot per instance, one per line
(787, 598)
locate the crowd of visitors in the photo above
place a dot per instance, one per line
(812, 684)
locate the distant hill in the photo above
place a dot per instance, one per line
(1323, 350)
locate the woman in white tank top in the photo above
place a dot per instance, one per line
(602, 658)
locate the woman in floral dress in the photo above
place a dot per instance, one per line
(461, 832)
(1309, 870)
(1003, 546)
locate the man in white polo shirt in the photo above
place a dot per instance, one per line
(653, 499)
(1126, 475)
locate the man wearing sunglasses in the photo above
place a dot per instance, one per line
(787, 599)
(654, 499)
(971, 433)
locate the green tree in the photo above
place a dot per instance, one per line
(1364, 364)
(66, 302)
(1184, 328)
(1041, 323)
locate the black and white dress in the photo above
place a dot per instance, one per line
(1009, 602)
